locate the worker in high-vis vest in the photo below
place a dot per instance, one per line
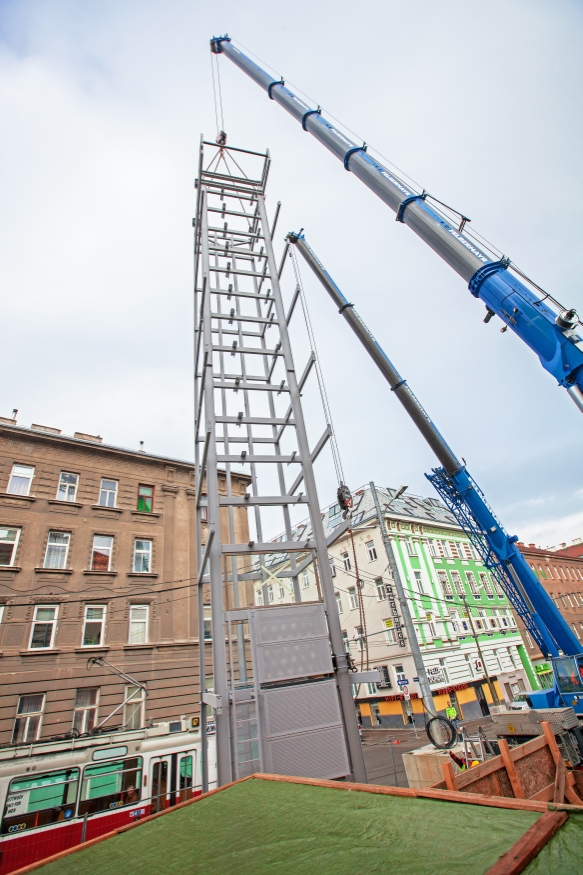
(451, 713)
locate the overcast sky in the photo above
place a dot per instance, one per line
(102, 107)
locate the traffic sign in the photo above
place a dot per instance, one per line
(405, 690)
(402, 682)
(407, 697)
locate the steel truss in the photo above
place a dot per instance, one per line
(249, 420)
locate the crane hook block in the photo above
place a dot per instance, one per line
(344, 496)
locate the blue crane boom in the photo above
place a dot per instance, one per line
(550, 333)
(461, 493)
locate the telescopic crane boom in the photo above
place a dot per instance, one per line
(549, 333)
(460, 491)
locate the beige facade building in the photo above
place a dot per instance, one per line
(97, 560)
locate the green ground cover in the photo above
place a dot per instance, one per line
(272, 828)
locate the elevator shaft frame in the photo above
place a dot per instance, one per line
(238, 305)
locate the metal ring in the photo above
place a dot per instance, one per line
(404, 204)
(310, 112)
(351, 152)
(271, 85)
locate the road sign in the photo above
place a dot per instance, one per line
(407, 697)
(405, 691)
(402, 682)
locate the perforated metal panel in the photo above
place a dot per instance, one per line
(317, 754)
(301, 708)
(289, 623)
(297, 659)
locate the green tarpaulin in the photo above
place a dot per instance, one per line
(274, 828)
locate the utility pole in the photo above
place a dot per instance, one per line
(413, 643)
(489, 681)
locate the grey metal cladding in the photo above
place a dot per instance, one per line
(373, 176)
(289, 623)
(290, 102)
(301, 708)
(294, 659)
(246, 64)
(457, 254)
(319, 754)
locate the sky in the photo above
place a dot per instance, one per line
(103, 105)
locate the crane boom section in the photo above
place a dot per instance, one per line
(460, 492)
(557, 345)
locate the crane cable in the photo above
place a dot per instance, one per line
(319, 375)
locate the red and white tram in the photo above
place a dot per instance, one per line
(57, 794)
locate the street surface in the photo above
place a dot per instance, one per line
(384, 749)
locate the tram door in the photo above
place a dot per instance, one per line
(161, 782)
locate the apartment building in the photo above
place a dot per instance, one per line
(453, 599)
(561, 573)
(97, 561)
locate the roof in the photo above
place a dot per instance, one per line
(291, 827)
(575, 551)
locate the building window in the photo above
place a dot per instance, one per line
(371, 550)
(8, 544)
(469, 665)
(389, 632)
(346, 641)
(381, 589)
(352, 598)
(453, 618)
(101, 553)
(468, 550)
(94, 626)
(305, 579)
(138, 624)
(399, 673)
(575, 630)
(145, 499)
(269, 593)
(108, 493)
(142, 557)
(419, 582)
(529, 640)
(445, 584)
(85, 713)
(471, 581)
(457, 582)
(43, 627)
(432, 550)
(133, 711)
(28, 718)
(258, 597)
(454, 550)
(57, 550)
(410, 547)
(332, 566)
(345, 561)
(360, 639)
(281, 591)
(20, 480)
(68, 483)
(485, 584)
(208, 623)
(444, 670)
(204, 513)
(338, 602)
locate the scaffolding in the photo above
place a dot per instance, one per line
(249, 420)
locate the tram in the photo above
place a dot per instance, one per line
(55, 794)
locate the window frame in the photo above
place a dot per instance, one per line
(36, 622)
(27, 715)
(67, 486)
(305, 580)
(108, 491)
(94, 550)
(98, 769)
(145, 622)
(97, 621)
(371, 551)
(381, 589)
(52, 813)
(445, 582)
(85, 709)
(14, 543)
(142, 552)
(151, 497)
(345, 557)
(22, 477)
(135, 700)
(352, 598)
(49, 545)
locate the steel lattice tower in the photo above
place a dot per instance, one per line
(248, 417)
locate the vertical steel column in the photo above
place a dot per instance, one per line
(341, 660)
(412, 635)
(224, 772)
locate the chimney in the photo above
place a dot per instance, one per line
(46, 428)
(577, 540)
(81, 436)
(532, 545)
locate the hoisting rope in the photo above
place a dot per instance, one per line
(218, 102)
(364, 650)
(319, 374)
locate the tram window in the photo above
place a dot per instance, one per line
(41, 800)
(185, 778)
(111, 785)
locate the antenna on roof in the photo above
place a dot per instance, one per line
(14, 413)
(142, 447)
